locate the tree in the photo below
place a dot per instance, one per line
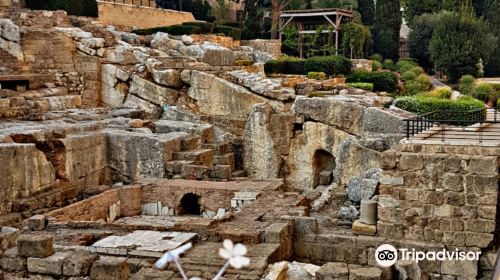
(413, 8)
(459, 41)
(355, 36)
(491, 14)
(252, 20)
(200, 9)
(420, 36)
(221, 12)
(386, 28)
(367, 10)
(341, 4)
(277, 7)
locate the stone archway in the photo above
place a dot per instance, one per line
(190, 205)
(323, 165)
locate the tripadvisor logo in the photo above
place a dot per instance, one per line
(387, 255)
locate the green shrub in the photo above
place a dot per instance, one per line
(420, 84)
(235, 24)
(389, 65)
(408, 76)
(171, 30)
(285, 65)
(466, 84)
(206, 27)
(443, 93)
(405, 65)
(233, 32)
(317, 75)
(382, 81)
(376, 65)
(418, 70)
(483, 91)
(243, 62)
(455, 109)
(332, 65)
(365, 86)
(376, 57)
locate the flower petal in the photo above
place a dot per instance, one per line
(225, 254)
(239, 262)
(228, 245)
(239, 250)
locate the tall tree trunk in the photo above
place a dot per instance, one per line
(277, 7)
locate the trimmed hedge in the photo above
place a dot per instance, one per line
(286, 65)
(235, 24)
(422, 105)
(73, 7)
(317, 75)
(365, 86)
(233, 32)
(206, 27)
(382, 81)
(443, 93)
(331, 65)
(171, 30)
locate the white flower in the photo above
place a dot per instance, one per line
(235, 254)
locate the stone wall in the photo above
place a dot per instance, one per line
(271, 46)
(447, 196)
(139, 17)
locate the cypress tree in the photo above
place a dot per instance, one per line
(386, 28)
(367, 10)
(413, 8)
(252, 20)
(492, 15)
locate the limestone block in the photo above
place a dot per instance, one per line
(93, 43)
(74, 32)
(210, 53)
(368, 212)
(78, 264)
(52, 265)
(333, 271)
(11, 261)
(348, 213)
(113, 95)
(160, 41)
(12, 48)
(361, 188)
(390, 180)
(84, 48)
(9, 30)
(168, 77)
(372, 273)
(278, 271)
(37, 222)
(8, 237)
(152, 93)
(361, 228)
(459, 268)
(110, 268)
(121, 54)
(36, 246)
(187, 40)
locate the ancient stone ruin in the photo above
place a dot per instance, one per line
(116, 148)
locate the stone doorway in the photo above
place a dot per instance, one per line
(190, 205)
(323, 166)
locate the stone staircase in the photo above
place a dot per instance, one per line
(201, 156)
(261, 85)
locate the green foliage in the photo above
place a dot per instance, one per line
(343, 4)
(172, 30)
(419, 39)
(331, 65)
(442, 93)
(243, 62)
(389, 65)
(201, 9)
(233, 32)
(382, 81)
(404, 65)
(414, 8)
(483, 91)
(408, 76)
(367, 10)
(422, 105)
(285, 65)
(72, 7)
(365, 86)
(492, 15)
(206, 27)
(386, 28)
(252, 21)
(317, 75)
(376, 65)
(466, 84)
(355, 36)
(376, 57)
(458, 42)
(290, 44)
(420, 84)
(221, 11)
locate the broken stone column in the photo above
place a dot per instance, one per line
(368, 212)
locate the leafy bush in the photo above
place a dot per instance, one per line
(408, 76)
(422, 105)
(243, 62)
(365, 86)
(466, 84)
(483, 92)
(317, 75)
(382, 81)
(376, 65)
(206, 27)
(73, 7)
(405, 65)
(285, 65)
(419, 84)
(331, 65)
(171, 30)
(443, 93)
(376, 57)
(389, 65)
(233, 32)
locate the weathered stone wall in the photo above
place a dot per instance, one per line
(270, 46)
(138, 16)
(441, 194)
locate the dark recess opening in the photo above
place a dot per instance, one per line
(15, 85)
(190, 205)
(323, 166)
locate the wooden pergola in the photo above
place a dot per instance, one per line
(314, 17)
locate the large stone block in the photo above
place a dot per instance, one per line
(152, 93)
(36, 246)
(78, 264)
(11, 261)
(210, 53)
(9, 30)
(113, 94)
(52, 265)
(110, 268)
(37, 222)
(333, 271)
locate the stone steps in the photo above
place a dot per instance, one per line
(204, 131)
(261, 85)
(198, 156)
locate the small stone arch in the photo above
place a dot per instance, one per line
(323, 165)
(190, 205)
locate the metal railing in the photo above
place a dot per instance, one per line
(456, 125)
(144, 3)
